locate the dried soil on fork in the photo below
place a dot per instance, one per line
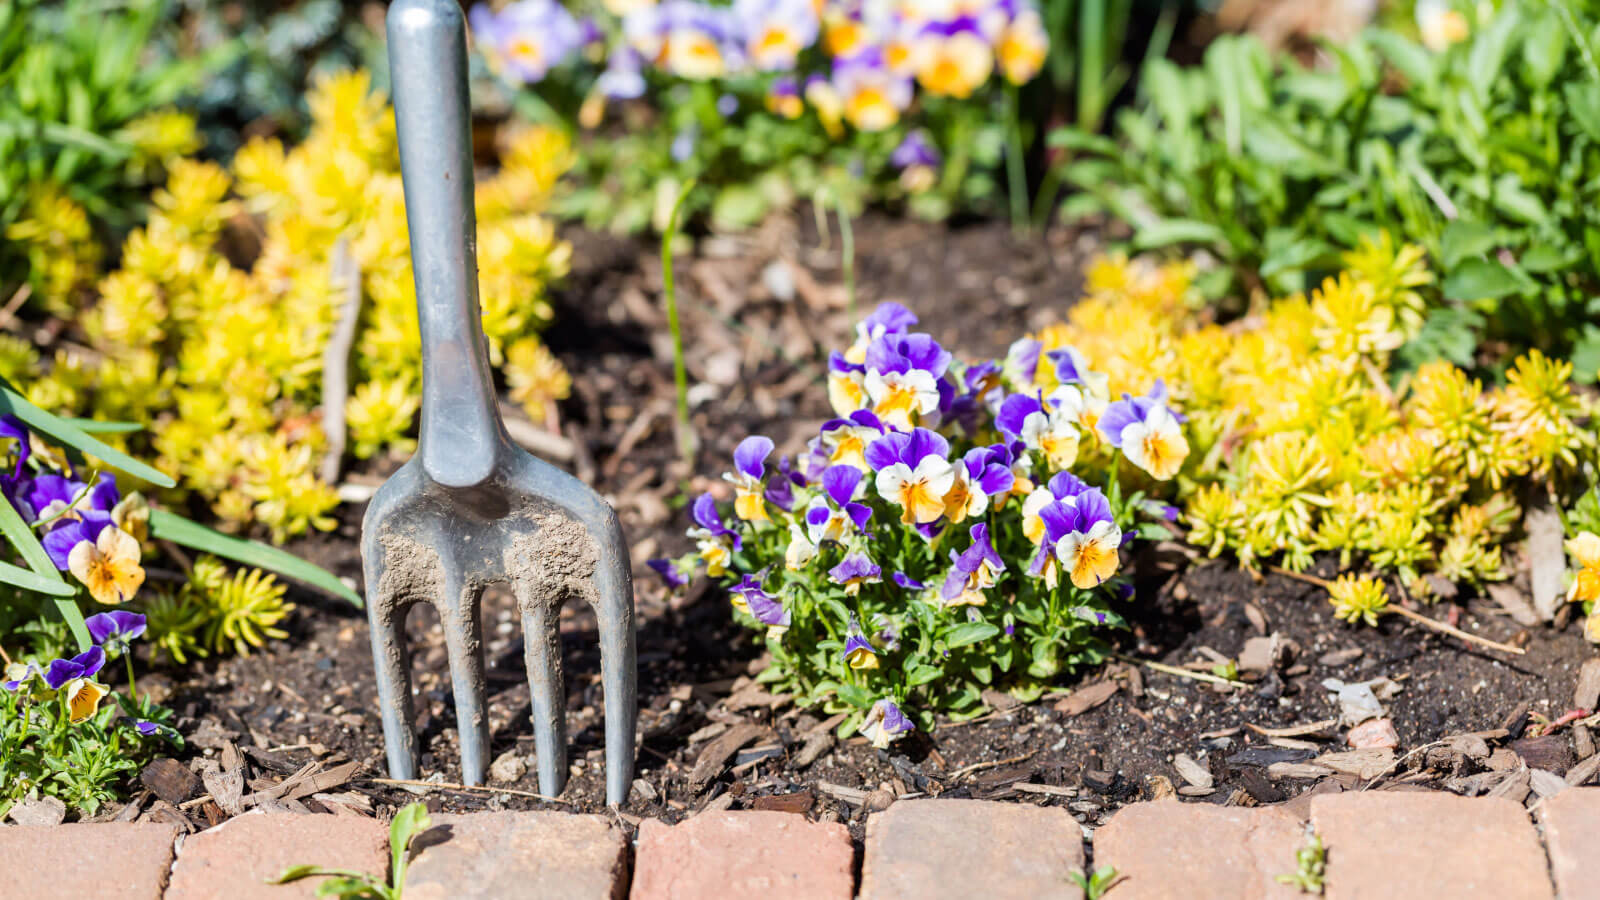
(760, 313)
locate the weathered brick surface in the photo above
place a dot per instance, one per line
(1417, 844)
(234, 860)
(514, 855)
(75, 862)
(1571, 829)
(743, 856)
(959, 849)
(1189, 851)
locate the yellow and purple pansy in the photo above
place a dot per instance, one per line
(855, 570)
(885, 724)
(913, 472)
(717, 542)
(749, 478)
(1147, 432)
(835, 513)
(972, 571)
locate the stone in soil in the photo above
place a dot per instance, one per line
(238, 857)
(1429, 844)
(1189, 851)
(1571, 822)
(933, 849)
(73, 862)
(511, 855)
(743, 856)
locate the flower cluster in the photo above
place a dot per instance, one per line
(58, 736)
(228, 361)
(957, 526)
(851, 60)
(1306, 440)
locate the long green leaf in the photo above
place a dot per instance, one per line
(64, 432)
(173, 527)
(27, 543)
(29, 580)
(95, 426)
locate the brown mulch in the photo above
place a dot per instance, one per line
(760, 313)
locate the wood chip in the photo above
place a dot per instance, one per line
(851, 796)
(1584, 772)
(41, 811)
(1586, 695)
(1545, 783)
(1363, 764)
(1514, 602)
(798, 802)
(1086, 698)
(1547, 556)
(1052, 790)
(1294, 730)
(170, 780)
(1194, 773)
(1514, 788)
(714, 758)
(1297, 770)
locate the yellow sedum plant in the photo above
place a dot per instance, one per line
(1303, 438)
(227, 357)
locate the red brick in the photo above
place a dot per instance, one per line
(933, 849)
(1191, 851)
(236, 859)
(743, 856)
(1429, 844)
(512, 855)
(74, 862)
(1571, 825)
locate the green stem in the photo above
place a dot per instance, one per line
(680, 372)
(1016, 175)
(127, 656)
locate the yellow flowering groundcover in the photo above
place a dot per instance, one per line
(221, 343)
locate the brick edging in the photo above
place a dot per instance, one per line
(1415, 844)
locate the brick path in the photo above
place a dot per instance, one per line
(1380, 844)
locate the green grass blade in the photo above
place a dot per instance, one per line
(63, 431)
(29, 580)
(27, 543)
(173, 527)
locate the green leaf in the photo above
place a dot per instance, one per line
(1583, 102)
(295, 873)
(27, 544)
(1481, 279)
(95, 426)
(1462, 239)
(410, 821)
(29, 580)
(1586, 356)
(173, 527)
(64, 432)
(1168, 232)
(969, 633)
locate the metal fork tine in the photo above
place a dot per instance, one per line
(541, 637)
(613, 608)
(393, 661)
(463, 637)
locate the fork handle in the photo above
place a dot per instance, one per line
(462, 435)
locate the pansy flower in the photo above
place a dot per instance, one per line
(827, 521)
(888, 318)
(750, 461)
(1064, 486)
(85, 665)
(907, 582)
(18, 674)
(1047, 428)
(847, 391)
(855, 570)
(716, 541)
(1021, 365)
(905, 378)
(858, 651)
(884, 724)
(824, 98)
(800, 551)
(1147, 432)
(108, 566)
(1022, 47)
(68, 533)
(751, 598)
(775, 31)
(913, 473)
(1081, 535)
(871, 97)
(83, 697)
(980, 475)
(670, 570)
(845, 440)
(526, 38)
(12, 427)
(954, 58)
(783, 98)
(116, 629)
(974, 571)
(780, 490)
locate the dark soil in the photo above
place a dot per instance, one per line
(756, 362)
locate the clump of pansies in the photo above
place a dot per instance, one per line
(956, 528)
(58, 735)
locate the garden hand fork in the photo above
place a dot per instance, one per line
(471, 509)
